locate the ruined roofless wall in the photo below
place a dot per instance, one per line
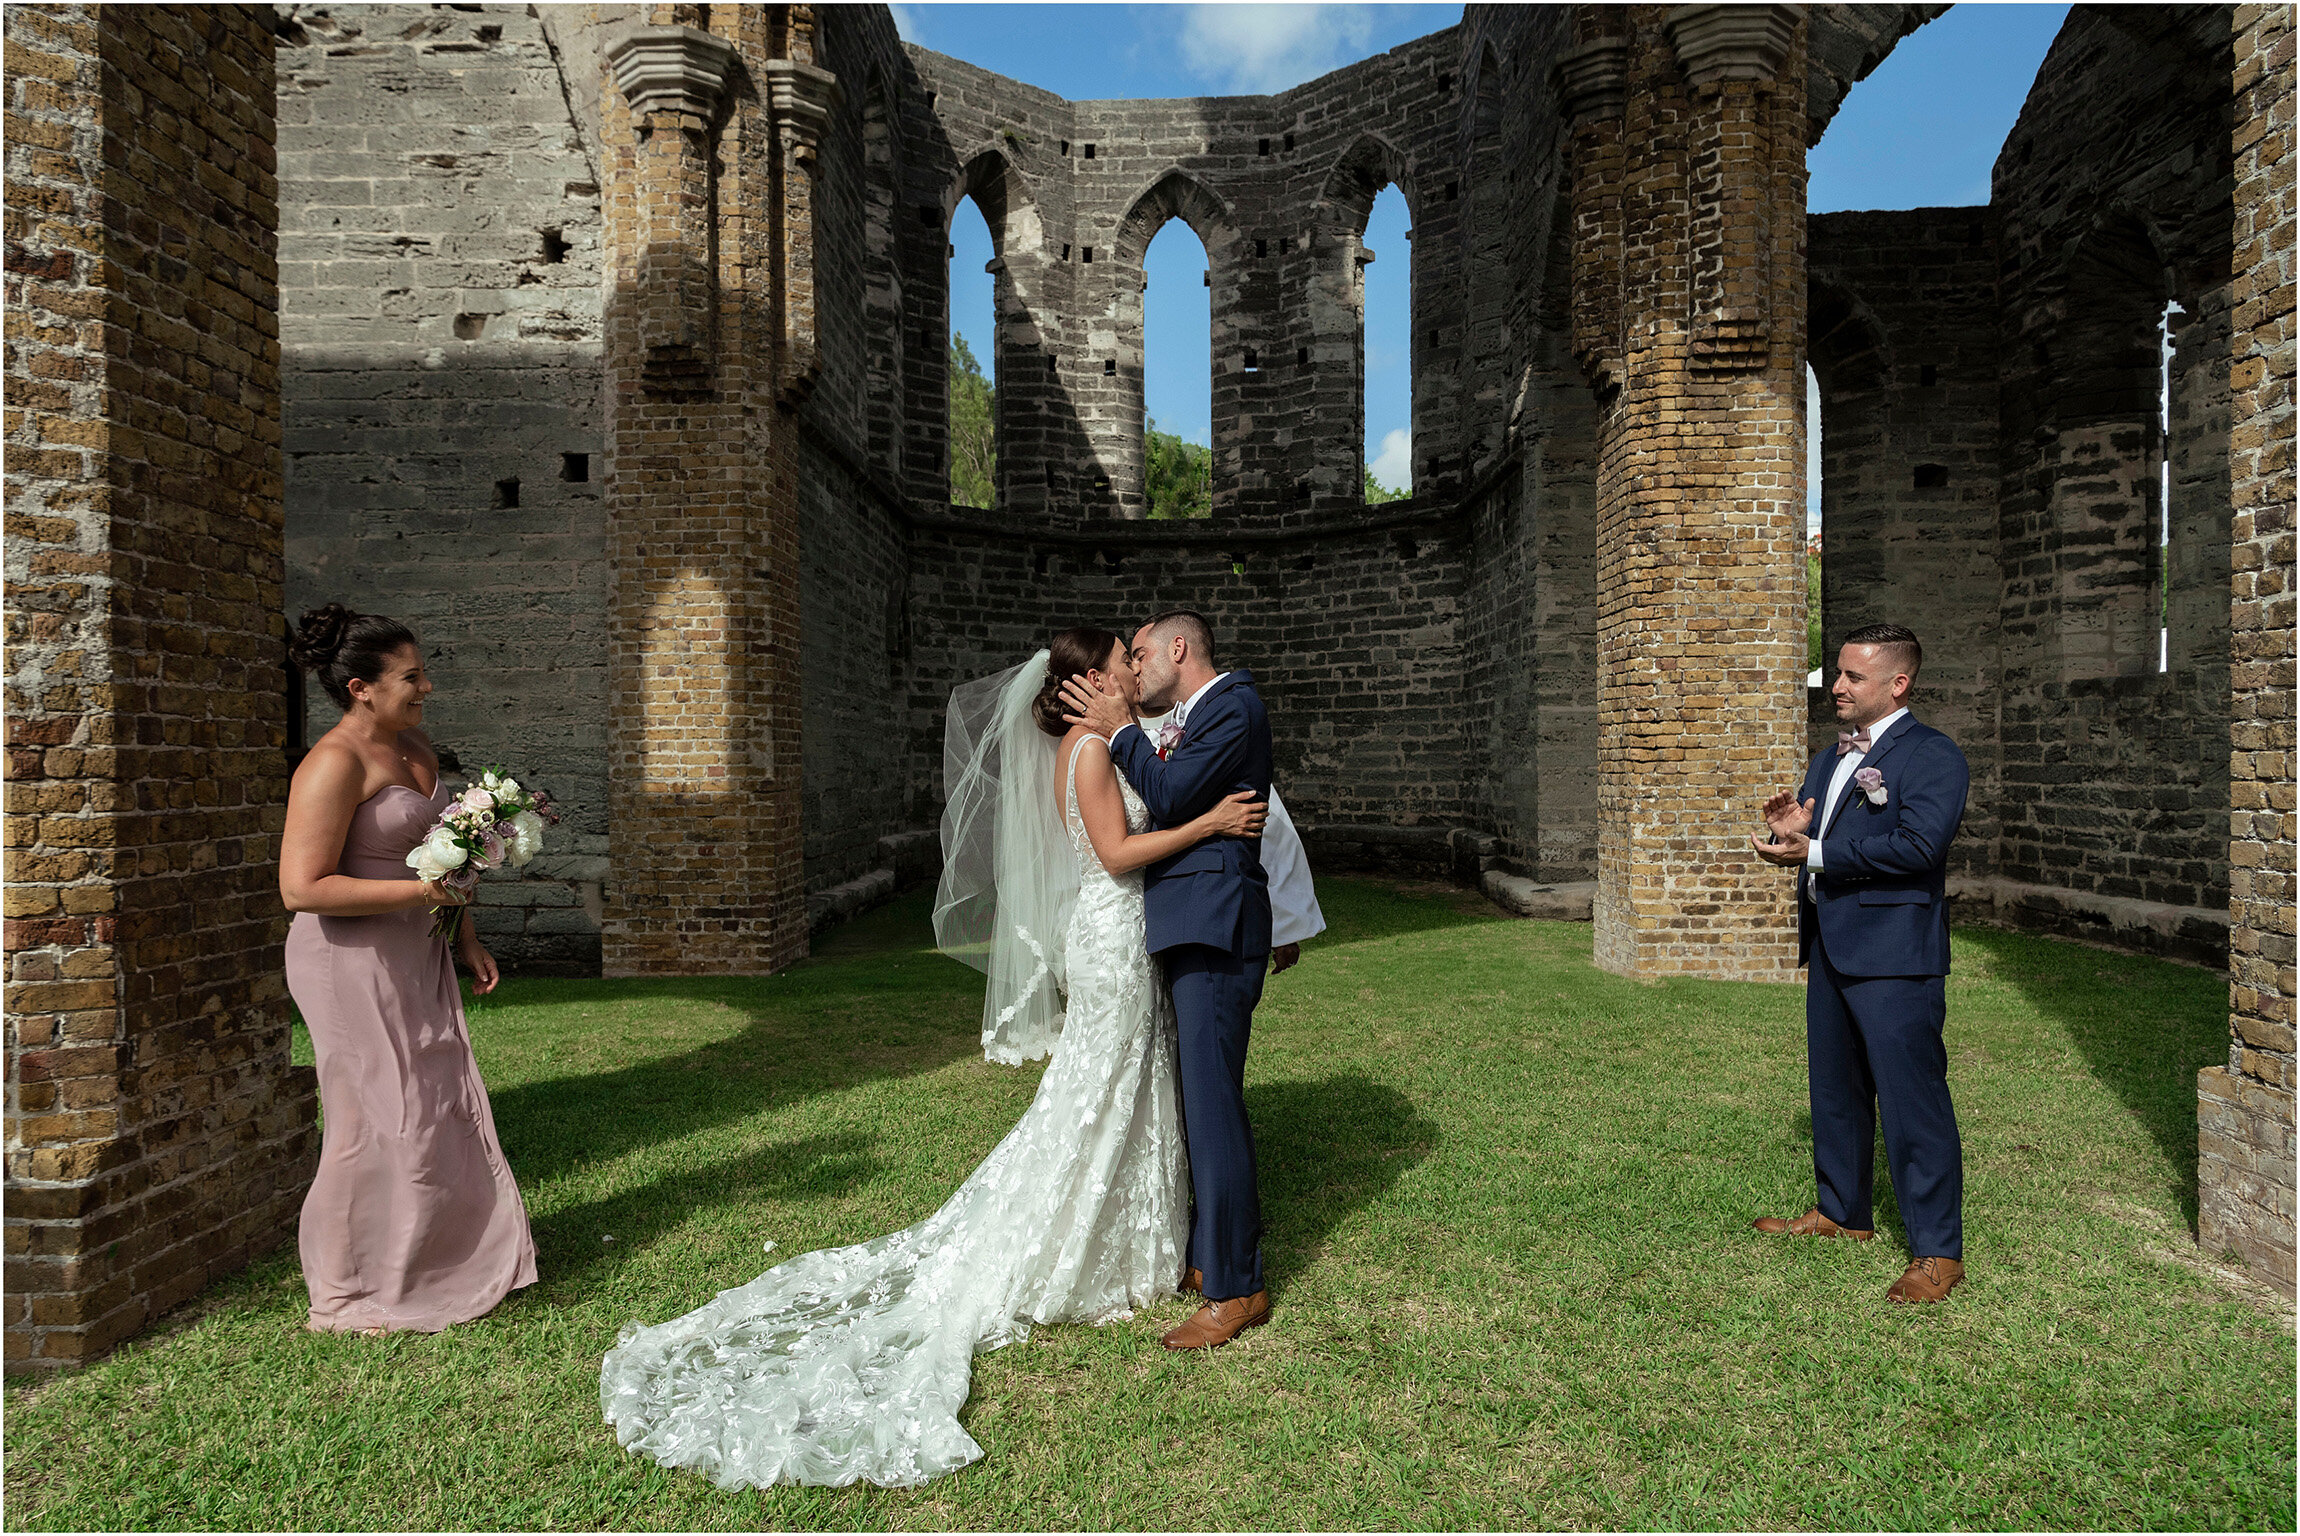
(2112, 769)
(440, 283)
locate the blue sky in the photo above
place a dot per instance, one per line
(1922, 131)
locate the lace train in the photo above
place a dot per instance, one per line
(851, 1364)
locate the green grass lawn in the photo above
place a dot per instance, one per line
(1507, 1199)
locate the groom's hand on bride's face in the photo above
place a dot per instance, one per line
(1101, 713)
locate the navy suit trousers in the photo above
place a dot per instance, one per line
(1874, 1043)
(1214, 997)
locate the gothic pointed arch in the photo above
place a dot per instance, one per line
(1357, 177)
(1176, 194)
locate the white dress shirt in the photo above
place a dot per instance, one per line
(1294, 911)
(1848, 764)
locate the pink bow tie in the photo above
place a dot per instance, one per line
(1853, 741)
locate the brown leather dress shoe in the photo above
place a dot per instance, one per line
(1811, 1224)
(1193, 1283)
(1927, 1279)
(1218, 1322)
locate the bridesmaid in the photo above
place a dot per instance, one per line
(414, 1220)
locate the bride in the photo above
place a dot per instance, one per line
(851, 1364)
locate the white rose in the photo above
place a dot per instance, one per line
(437, 854)
(508, 788)
(489, 779)
(526, 837)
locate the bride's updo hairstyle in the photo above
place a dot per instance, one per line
(1073, 653)
(336, 645)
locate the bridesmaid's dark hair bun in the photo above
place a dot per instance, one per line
(336, 645)
(1073, 653)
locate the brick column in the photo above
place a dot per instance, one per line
(1701, 598)
(2245, 1142)
(701, 488)
(156, 1133)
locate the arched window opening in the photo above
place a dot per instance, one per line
(1816, 643)
(1386, 342)
(1177, 375)
(973, 370)
(2165, 346)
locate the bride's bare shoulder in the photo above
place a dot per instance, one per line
(1077, 734)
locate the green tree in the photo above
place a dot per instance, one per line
(1377, 493)
(1177, 476)
(973, 430)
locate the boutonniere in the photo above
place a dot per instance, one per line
(1169, 737)
(1871, 783)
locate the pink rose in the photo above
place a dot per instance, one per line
(477, 798)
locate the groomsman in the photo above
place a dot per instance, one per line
(1869, 836)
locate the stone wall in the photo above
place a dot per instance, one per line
(2111, 777)
(2245, 1143)
(440, 280)
(1904, 318)
(157, 1136)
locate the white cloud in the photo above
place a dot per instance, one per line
(905, 22)
(1255, 49)
(1395, 467)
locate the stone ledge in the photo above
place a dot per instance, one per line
(2195, 934)
(827, 909)
(1567, 903)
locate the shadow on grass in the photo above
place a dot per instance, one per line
(570, 1242)
(1324, 1150)
(2144, 1028)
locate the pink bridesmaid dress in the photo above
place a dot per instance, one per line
(414, 1220)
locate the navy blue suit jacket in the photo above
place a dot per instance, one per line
(1881, 898)
(1214, 892)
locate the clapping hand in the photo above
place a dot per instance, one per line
(1789, 821)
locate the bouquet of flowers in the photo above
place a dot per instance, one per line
(493, 823)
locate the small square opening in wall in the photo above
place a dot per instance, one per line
(1050, 477)
(1261, 248)
(1039, 560)
(1932, 477)
(1444, 83)
(554, 247)
(1066, 251)
(1087, 254)
(1452, 191)
(1110, 367)
(575, 467)
(1289, 143)
(1101, 485)
(1209, 277)
(470, 327)
(507, 493)
(930, 217)
(1089, 151)
(1066, 149)
(1928, 375)
(1262, 147)
(1253, 361)
(1301, 490)
(1285, 245)
(1301, 357)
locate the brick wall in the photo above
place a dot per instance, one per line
(156, 1134)
(1700, 492)
(2245, 1111)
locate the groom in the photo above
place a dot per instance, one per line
(1208, 914)
(1869, 838)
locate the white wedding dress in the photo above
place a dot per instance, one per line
(851, 1364)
